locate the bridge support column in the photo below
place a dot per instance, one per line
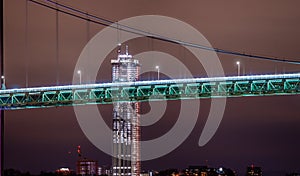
(2, 142)
(2, 111)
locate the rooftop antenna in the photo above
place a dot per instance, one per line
(79, 151)
(119, 48)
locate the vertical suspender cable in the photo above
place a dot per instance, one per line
(26, 44)
(87, 40)
(57, 46)
(118, 34)
(87, 28)
(149, 42)
(181, 54)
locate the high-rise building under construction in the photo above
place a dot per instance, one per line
(126, 130)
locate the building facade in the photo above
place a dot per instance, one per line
(87, 167)
(126, 130)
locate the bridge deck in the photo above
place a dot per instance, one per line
(194, 88)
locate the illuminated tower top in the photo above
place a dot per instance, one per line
(125, 68)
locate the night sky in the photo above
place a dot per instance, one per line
(263, 131)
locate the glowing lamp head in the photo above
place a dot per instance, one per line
(79, 72)
(156, 67)
(238, 63)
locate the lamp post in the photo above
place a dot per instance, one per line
(239, 67)
(79, 73)
(3, 82)
(157, 68)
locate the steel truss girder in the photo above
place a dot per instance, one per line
(149, 91)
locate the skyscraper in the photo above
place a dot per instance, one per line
(126, 130)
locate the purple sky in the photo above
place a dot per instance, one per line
(263, 131)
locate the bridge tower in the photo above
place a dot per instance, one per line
(2, 86)
(126, 129)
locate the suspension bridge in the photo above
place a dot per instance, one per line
(176, 89)
(154, 90)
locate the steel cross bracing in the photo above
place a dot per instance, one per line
(194, 88)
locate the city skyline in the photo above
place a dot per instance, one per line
(90, 167)
(256, 130)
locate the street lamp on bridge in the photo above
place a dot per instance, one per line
(79, 73)
(239, 67)
(157, 68)
(3, 82)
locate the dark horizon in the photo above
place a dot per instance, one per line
(263, 131)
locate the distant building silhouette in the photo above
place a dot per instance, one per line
(64, 172)
(104, 170)
(207, 171)
(87, 167)
(199, 170)
(293, 174)
(254, 171)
